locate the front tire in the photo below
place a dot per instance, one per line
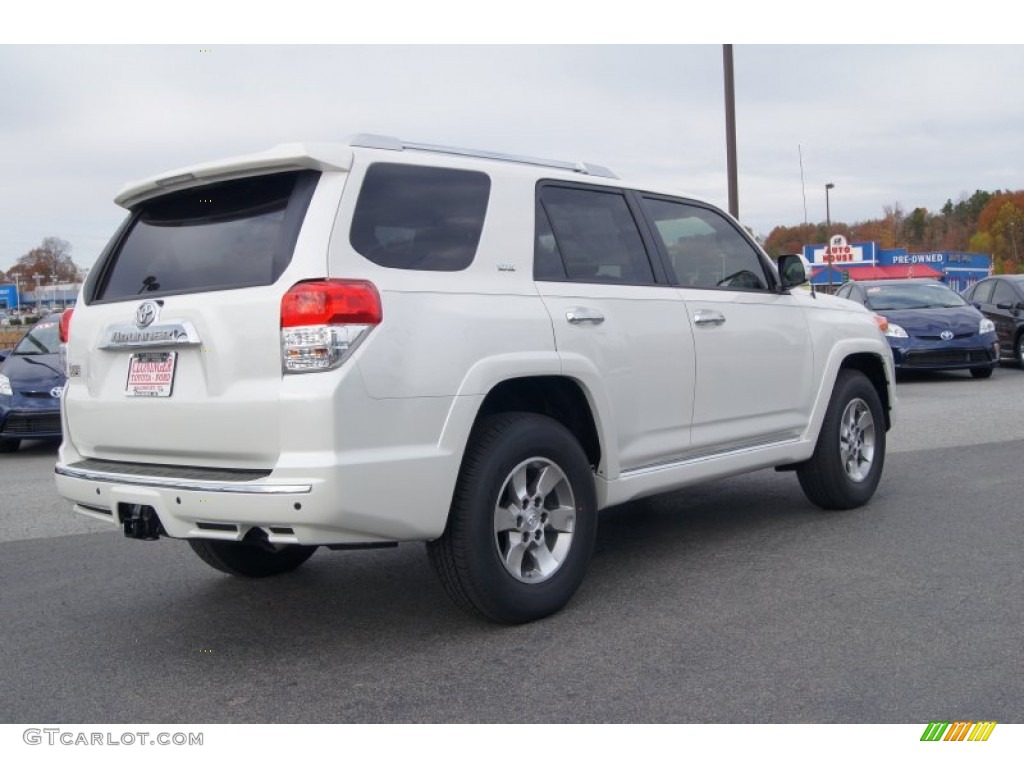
(983, 373)
(1019, 350)
(240, 558)
(9, 446)
(522, 523)
(847, 463)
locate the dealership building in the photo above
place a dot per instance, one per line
(52, 297)
(839, 262)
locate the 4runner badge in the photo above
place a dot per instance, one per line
(146, 313)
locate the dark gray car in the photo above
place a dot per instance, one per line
(1001, 299)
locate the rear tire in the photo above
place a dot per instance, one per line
(240, 558)
(982, 373)
(847, 463)
(9, 446)
(522, 523)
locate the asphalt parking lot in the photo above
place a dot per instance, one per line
(733, 601)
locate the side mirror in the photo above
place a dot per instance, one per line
(4, 354)
(791, 270)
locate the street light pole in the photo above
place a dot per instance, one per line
(828, 210)
(35, 289)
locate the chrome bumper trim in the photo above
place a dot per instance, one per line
(209, 486)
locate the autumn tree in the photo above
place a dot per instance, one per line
(48, 263)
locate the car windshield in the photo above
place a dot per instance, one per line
(912, 296)
(43, 339)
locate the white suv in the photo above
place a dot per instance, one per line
(354, 345)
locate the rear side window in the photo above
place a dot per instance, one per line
(595, 234)
(417, 217)
(233, 234)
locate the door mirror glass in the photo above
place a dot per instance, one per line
(792, 271)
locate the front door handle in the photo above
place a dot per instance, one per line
(708, 317)
(578, 315)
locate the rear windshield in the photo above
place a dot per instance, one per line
(229, 235)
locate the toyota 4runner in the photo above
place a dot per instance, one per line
(354, 345)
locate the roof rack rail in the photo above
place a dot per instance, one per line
(375, 141)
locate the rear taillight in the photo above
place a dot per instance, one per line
(64, 326)
(323, 321)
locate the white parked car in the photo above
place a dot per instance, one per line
(360, 344)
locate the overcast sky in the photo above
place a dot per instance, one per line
(913, 124)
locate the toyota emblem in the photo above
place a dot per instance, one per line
(57, 392)
(946, 335)
(146, 313)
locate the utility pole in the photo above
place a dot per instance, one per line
(730, 131)
(828, 210)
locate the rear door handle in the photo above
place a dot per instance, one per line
(578, 315)
(708, 317)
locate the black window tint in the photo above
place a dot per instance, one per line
(414, 217)
(982, 292)
(597, 236)
(547, 259)
(227, 235)
(704, 249)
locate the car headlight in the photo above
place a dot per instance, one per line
(986, 326)
(895, 331)
(5, 385)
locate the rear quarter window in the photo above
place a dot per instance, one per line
(418, 217)
(233, 234)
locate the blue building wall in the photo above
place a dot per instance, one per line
(959, 270)
(8, 297)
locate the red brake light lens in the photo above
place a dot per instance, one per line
(64, 326)
(331, 302)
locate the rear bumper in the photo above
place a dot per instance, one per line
(349, 504)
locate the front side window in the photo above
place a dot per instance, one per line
(228, 235)
(982, 292)
(704, 249)
(420, 217)
(1003, 294)
(595, 234)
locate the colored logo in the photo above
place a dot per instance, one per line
(960, 730)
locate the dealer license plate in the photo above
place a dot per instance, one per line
(151, 374)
